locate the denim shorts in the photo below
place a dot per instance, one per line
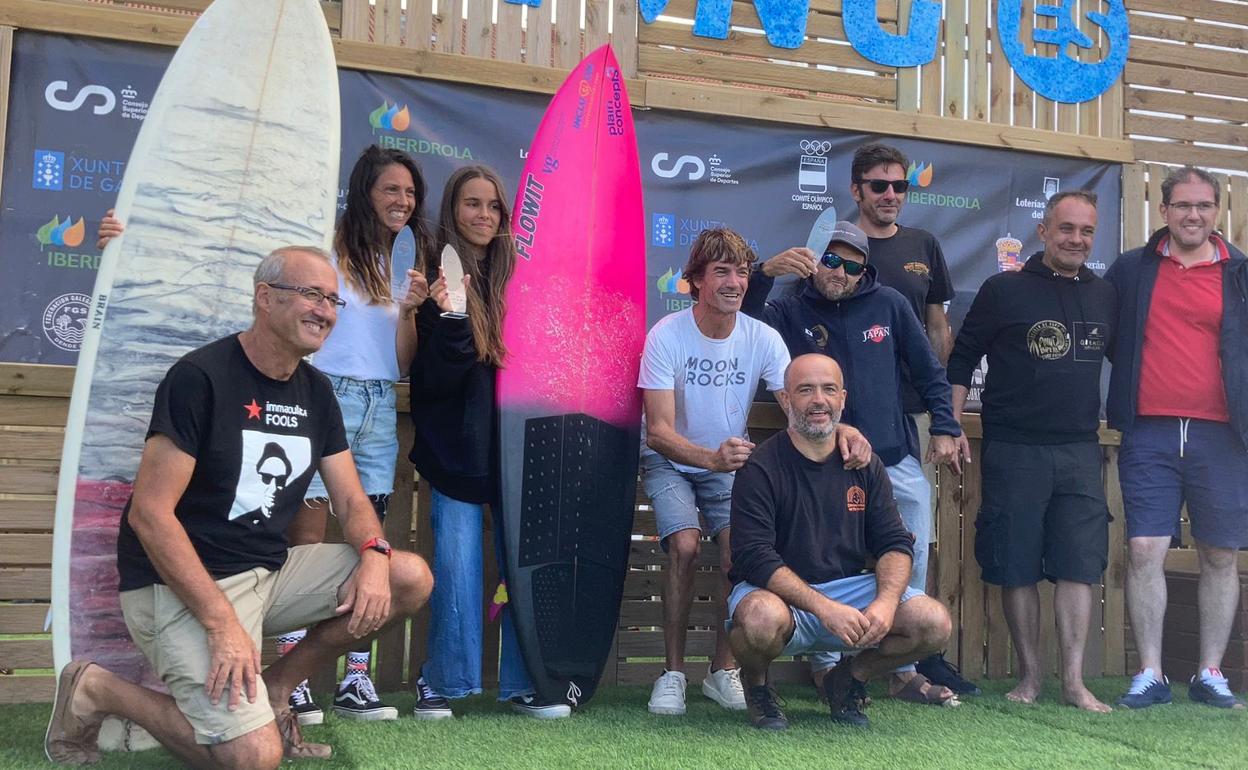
(372, 433)
(678, 497)
(809, 635)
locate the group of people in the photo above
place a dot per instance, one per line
(864, 338)
(798, 519)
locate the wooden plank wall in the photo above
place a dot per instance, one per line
(558, 34)
(1186, 93)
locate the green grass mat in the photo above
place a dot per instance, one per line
(615, 730)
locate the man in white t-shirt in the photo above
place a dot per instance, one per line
(699, 372)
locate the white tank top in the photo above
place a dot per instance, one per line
(361, 345)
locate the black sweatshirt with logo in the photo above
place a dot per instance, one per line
(1045, 336)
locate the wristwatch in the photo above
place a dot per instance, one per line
(380, 545)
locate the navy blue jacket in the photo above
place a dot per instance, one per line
(869, 333)
(1133, 275)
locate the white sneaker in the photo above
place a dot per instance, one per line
(724, 687)
(668, 695)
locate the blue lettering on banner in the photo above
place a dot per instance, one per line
(1063, 79)
(917, 46)
(530, 209)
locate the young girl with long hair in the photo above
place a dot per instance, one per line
(455, 450)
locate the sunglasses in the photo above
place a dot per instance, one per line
(878, 186)
(832, 261)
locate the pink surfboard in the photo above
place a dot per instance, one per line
(570, 411)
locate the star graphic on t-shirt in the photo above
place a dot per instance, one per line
(253, 410)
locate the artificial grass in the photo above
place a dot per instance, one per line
(615, 730)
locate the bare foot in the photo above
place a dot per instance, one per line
(1025, 692)
(83, 706)
(1079, 697)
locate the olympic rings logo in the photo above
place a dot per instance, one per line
(812, 147)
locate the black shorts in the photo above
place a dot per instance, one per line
(1043, 514)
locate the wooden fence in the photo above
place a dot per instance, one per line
(33, 405)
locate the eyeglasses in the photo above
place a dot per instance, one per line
(315, 296)
(878, 186)
(1183, 207)
(832, 261)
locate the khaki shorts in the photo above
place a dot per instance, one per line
(303, 592)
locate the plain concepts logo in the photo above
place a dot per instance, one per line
(61, 233)
(64, 320)
(59, 97)
(919, 175)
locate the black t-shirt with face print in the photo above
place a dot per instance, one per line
(256, 443)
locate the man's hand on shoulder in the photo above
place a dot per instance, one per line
(849, 625)
(234, 663)
(853, 446)
(880, 614)
(799, 261)
(731, 455)
(367, 595)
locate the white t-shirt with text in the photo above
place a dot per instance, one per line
(714, 380)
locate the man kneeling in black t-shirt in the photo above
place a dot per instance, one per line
(238, 428)
(803, 527)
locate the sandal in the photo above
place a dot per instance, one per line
(293, 746)
(918, 689)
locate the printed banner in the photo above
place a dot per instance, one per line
(77, 103)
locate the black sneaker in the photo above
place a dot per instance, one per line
(430, 705)
(1146, 690)
(356, 699)
(531, 705)
(845, 695)
(762, 705)
(1213, 690)
(942, 672)
(301, 705)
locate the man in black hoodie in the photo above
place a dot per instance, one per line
(1045, 330)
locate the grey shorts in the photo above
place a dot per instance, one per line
(679, 496)
(303, 592)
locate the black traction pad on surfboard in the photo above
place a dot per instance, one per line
(577, 504)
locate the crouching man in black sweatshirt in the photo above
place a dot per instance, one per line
(1045, 330)
(803, 527)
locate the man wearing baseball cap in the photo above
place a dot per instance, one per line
(843, 311)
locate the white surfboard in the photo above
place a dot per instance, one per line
(238, 155)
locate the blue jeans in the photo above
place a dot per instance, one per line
(453, 663)
(372, 432)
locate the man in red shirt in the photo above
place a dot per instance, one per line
(1179, 394)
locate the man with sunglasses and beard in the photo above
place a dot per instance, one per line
(845, 312)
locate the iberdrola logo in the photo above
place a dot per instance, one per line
(61, 233)
(920, 175)
(390, 117)
(670, 283)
